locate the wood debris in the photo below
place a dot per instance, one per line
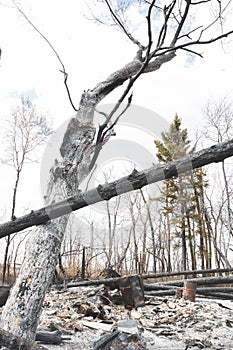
(90, 317)
(159, 324)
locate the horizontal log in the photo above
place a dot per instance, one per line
(215, 290)
(170, 292)
(54, 338)
(161, 287)
(186, 273)
(160, 293)
(199, 281)
(106, 281)
(225, 296)
(134, 181)
(158, 286)
(153, 286)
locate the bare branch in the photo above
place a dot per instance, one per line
(188, 34)
(200, 2)
(167, 13)
(118, 21)
(104, 129)
(193, 52)
(180, 26)
(52, 48)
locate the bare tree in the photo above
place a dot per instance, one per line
(218, 128)
(80, 147)
(26, 130)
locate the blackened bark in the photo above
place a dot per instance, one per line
(134, 181)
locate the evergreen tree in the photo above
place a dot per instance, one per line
(182, 202)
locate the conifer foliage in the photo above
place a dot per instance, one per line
(185, 230)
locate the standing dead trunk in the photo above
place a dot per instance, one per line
(22, 311)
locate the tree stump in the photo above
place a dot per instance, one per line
(132, 291)
(189, 292)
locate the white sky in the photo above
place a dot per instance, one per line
(90, 53)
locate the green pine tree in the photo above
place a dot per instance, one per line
(182, 202)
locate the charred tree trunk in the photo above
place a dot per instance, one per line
(23, 308)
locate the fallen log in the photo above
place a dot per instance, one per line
(158, 286)
(109, 281)
(216, 290)
(13, 342)
(207, 290)
(54, 338)
(134, 181)
(199, 281)
(106, 281)
(159, 293)
(219, 295)
(186, 273)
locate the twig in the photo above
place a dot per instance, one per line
(122, 26)
(103, 129)
(52, 48)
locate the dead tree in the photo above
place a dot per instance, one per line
(80, 149)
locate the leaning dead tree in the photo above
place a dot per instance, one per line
(82, 143)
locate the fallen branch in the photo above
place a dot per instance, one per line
(50, 337)
(99, 344)
(134, 181)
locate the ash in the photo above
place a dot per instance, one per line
(87, 316)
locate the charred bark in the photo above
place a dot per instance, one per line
(134, 181)
(50, 337)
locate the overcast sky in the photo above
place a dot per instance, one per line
(90, 52)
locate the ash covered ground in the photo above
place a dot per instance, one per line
(87, 315)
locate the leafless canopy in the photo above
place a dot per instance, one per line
(158, 30)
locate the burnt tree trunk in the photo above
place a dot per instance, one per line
(23, 308)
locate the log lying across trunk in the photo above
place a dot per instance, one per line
(134, 181)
